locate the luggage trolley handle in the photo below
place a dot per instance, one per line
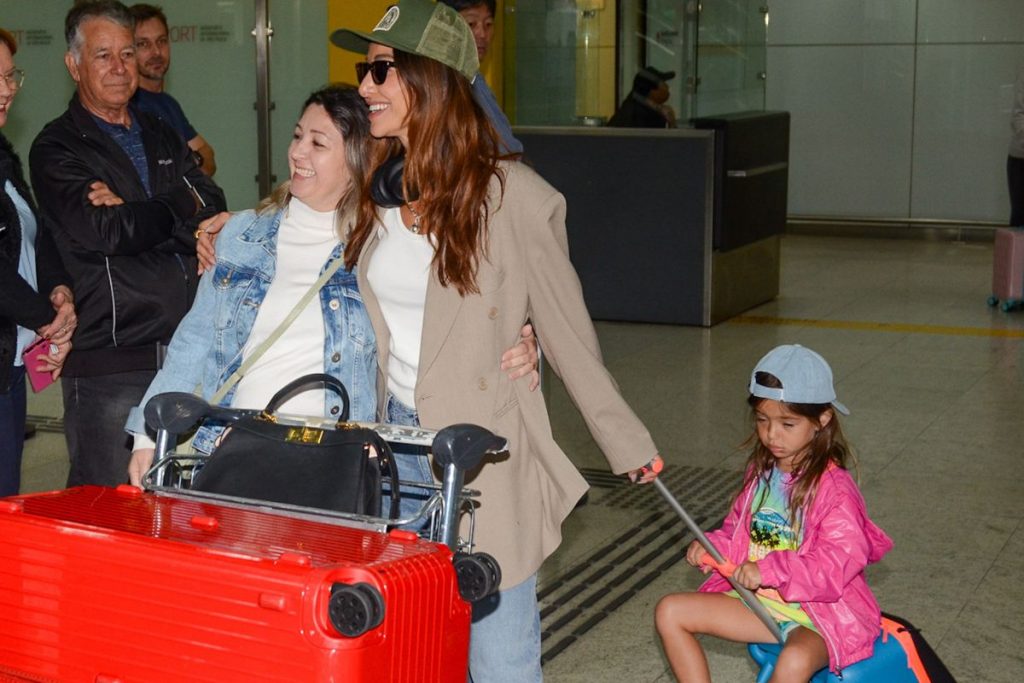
(745, 593)
(177, 412)
(459, 448)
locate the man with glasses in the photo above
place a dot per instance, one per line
(124, 196)
(153, 58)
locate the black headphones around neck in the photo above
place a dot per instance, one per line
(386, 188)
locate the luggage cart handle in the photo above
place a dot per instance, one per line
(458, 448)
(745, 593)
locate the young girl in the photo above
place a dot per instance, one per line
(798, 533)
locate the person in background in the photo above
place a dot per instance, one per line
(1015, 159)
(448, 275)
(153, 57)
(798, 533)
(479, 14)
(123, 195)
(644, 106)
(35, 289)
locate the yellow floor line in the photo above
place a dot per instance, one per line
(880, 327)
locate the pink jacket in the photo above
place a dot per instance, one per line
(826, 574)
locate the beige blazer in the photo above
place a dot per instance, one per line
(526, 494)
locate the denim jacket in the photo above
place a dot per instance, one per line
(207, 346)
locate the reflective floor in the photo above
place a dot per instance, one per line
(933, 378)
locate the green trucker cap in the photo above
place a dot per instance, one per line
(423, 27)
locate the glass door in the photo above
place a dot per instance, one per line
(730, 56)
(298, 66)
(668, 43)
(212, 75)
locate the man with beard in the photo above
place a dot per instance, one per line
(153, 57)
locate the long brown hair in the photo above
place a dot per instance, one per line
(828, 447)
(453, 154)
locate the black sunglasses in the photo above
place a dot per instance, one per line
(377, 68)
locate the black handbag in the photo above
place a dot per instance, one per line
(339, 469)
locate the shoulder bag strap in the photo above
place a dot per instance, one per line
(237, 375)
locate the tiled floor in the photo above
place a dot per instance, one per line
(934, 380)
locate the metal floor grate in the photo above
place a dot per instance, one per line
(44, 423)
(590, 590)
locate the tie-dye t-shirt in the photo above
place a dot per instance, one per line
(771, 529)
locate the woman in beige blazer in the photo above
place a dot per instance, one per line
(448, 278)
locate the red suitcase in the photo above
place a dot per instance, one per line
(1008, 268)
(105, 585)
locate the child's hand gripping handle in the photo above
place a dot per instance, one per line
(748, 597)
(725, 568)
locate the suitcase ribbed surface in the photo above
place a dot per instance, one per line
(105, 585)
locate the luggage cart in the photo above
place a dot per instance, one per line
(457, 449)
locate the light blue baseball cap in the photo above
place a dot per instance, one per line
(805, 377)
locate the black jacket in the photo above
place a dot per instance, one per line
(19, 303)
(133, 265)
(636, 111)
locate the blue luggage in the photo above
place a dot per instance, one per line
(888, 664)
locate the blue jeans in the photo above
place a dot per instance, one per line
(95, 410)
(504, 644)
(12, 433)
(412, 461)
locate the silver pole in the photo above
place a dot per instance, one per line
(748, 597)
(263, 31)
(451, 486)
(161, 450)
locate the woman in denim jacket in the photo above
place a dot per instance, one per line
(266, 260)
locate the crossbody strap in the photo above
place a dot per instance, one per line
(237, 375)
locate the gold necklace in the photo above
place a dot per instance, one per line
(415, 227)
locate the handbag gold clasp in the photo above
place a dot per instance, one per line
(304, 435)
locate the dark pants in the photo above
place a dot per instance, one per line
(12, 433)
(1015, 177)
(95, 410)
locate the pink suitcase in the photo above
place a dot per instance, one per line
(1008, 269)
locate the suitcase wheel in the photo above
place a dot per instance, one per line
(355, 609)
(1009, 305)
(479, 575)
(993, 301)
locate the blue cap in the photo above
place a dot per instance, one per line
(805, 377)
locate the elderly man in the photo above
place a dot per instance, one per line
(153, 58)
(124, 196)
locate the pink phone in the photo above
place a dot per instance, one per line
(39, 379)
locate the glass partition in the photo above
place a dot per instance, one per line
(731, 46)
(571, 62)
